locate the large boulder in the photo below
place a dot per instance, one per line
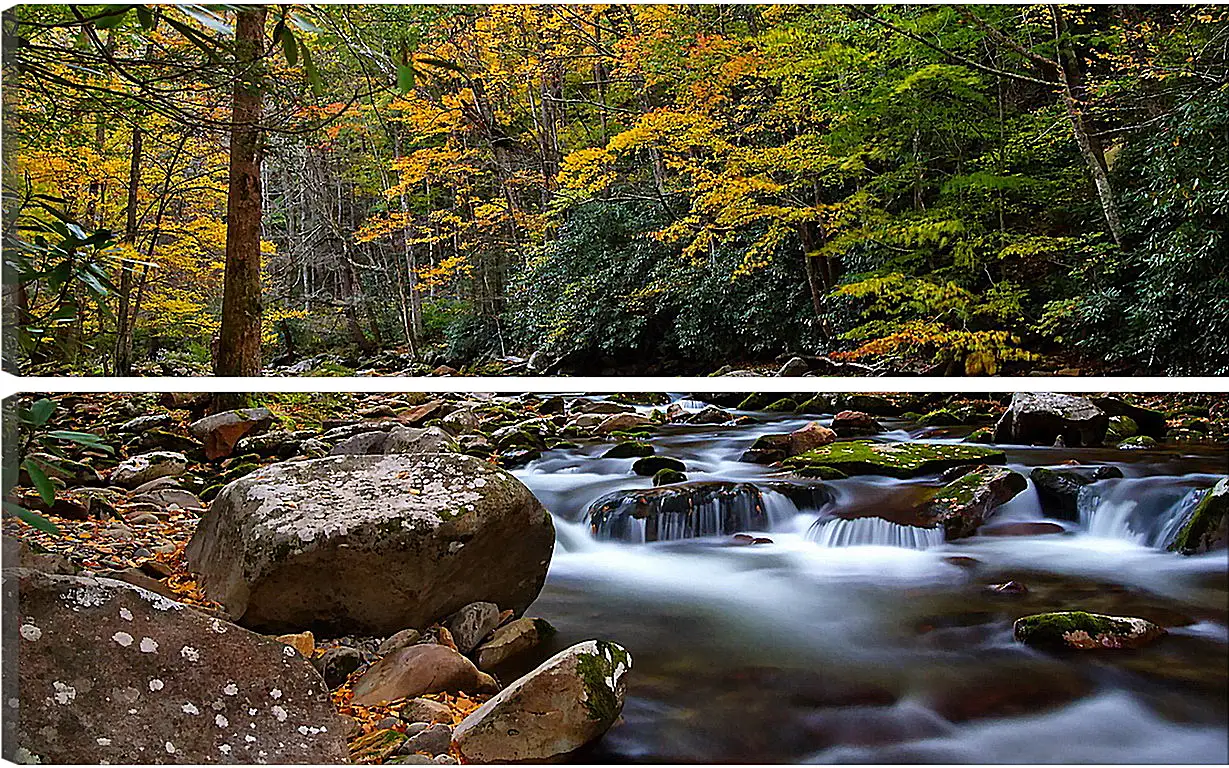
(424, 440)
(964, 504)
(1083, 631)
(371, 544)
(1151, 423)
(419, 669)
(111, 673)
(1039, 418)
(221, 431)
(1059, 489)
(903, 460)
(678, 512)
(1207, 527)
(568, 702)
(139, 470)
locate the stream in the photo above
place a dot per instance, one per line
(855, 640)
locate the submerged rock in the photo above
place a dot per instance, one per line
(1039, 418)
(1207, 527)
(964, 504)
(568, 702)
(678, 512)
(1059, 489)
(1085, 631)
(902, 460)
(114, 673)
(371, 544)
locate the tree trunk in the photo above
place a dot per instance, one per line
(238, 351)
(1074, 96)
(123, 328)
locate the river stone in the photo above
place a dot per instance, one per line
(114, 673)
(1085, 631)
(71, 472)
(337, 664)
(418, 669)
(709, 414)
(964, 504)
(402, 639)
(1207, 527)
(854, 424)
(621, 422)
(424, 711)
(678, 512)
(569, 701)
(813, 435)
(433, 740)
(512, 639)
(144, 423)
(371, 544)
(901, 460)
(1059, 489)
(148, 466)
(221, 431)
(651, 465)
(1039, 418)
(362, 444)
(169, 498)
(425, 440)
(629, 449)
(470, 625)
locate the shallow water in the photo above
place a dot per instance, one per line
(867, 643)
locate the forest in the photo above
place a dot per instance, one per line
(606, 189)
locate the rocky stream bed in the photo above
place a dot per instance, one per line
(702, 577)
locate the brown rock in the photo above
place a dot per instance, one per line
(221, 431)
(811, 436)
(855, 423)
(419, 669)
(511, 640)
(425, 711)
(622, 421)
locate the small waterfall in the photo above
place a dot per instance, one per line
(1147, 511)
(686, 511)
(873, 531)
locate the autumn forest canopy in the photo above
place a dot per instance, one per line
(615, 188)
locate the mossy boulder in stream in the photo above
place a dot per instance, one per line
(964, 504)
(1085, 631)
(629, 449)
(902, 460)
(568, 702)
(1207, 528)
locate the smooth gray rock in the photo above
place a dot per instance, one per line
(471, 625)
(1039, 418)
(148, 466)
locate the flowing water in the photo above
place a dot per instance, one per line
(852, 638)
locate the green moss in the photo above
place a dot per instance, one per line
(984, 436)
(1120, 428)
(1050, 630)
(651, 465)
(865, 457)
(1205, 529)
(756, 402)
(242, 469)
(816, 405)
(1139, 442)
(595, 671)
(940, 418)
(784, 405)
(821, 473)
(640, 398)
(629, 449)
(668, 476)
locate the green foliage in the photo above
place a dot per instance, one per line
(33, 436)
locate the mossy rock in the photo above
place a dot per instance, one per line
(1120, 428)
(668, 476)
(940, 418)
(964, 504)
(211, 491)
(629, 449)
(784, 405)
(1079, 630)
(820, 472)
(875, 405)
(757, 401)
(901, 460)
(1138, 443)
(651, 465)
(237, 471)
(634, 434)
(816, 405)
(983, 436)
(1207, 527)
(562, 444)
